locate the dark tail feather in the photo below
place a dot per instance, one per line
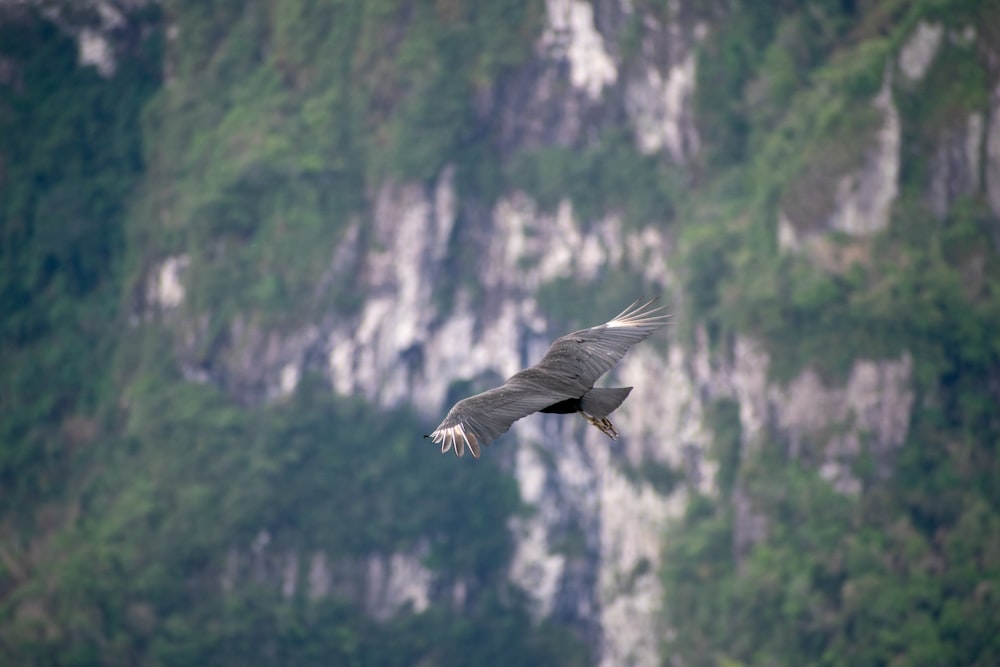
(602, 402)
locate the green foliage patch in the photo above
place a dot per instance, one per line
(70, 156)
(194, 477)
(608, 176)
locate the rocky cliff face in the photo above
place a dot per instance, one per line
(448, 291)
(590, 551)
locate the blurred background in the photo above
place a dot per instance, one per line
(253, 250)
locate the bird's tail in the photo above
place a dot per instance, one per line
(602, 402)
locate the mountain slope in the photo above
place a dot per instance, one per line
(253, 251)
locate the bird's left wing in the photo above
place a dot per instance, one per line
(478, 420)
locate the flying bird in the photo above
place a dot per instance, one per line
(562, 383)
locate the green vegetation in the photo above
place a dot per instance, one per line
(607, 177)
(70, 155)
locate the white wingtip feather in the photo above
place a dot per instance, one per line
(452, 437)
(636, 316)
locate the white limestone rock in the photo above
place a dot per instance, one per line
(864, 197)
(384, 584)
(94, 45)
(632, 521)
(397, 581)
(955, 165)
(660, 108)
(571, 36)
(918, 52)
(992, 166)
(660, 85)
(165, 289)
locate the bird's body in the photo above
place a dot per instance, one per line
(562, 383)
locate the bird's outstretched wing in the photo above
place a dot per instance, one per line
(590, 353)
(479, 420)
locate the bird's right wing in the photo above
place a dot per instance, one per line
(478, 420)
(584, 356)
